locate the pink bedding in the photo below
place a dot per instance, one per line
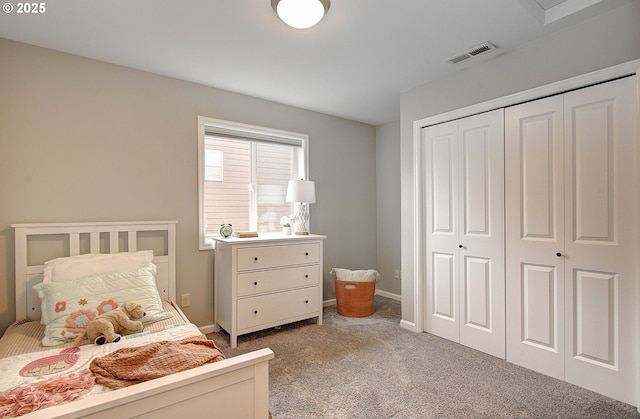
(25, 399)
(38, 380)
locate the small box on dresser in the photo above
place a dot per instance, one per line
(267, 281)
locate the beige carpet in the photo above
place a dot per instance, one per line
(371, 368)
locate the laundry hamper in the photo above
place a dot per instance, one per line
(355, 291)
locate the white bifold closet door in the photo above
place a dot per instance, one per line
(572, 237)
(464, 235)
(535, 235)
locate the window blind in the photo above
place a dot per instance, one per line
(251, 136)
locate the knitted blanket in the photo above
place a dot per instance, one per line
(128, 366)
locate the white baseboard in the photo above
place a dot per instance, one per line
(329, 303)
(210, 328)
(389, 295)
(411, 326)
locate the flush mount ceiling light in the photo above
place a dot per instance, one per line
(300, 14)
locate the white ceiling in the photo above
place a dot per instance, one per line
(354, 64)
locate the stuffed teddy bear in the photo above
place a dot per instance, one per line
(109, 326)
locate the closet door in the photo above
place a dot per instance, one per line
(440, 145)
(464, 163)
(534, 150)
(481, 234)
(601, 234)
(572, 237)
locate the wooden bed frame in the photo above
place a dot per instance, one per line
(236, 387)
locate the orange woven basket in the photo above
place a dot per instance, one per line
(355, 298)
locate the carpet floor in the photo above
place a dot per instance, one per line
(371, 368)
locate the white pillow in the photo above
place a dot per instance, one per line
(67, 306)
(73, 267)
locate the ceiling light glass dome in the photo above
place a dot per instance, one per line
(301, 14)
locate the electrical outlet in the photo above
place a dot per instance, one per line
(186, 300)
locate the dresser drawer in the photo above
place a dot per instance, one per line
(280, 307)
(252, 258)
(252, 283)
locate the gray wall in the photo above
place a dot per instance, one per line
(600, 42)
(388, 205)
(82, 140)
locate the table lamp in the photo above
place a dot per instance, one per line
(303, 192)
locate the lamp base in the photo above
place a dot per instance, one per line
(300, 220)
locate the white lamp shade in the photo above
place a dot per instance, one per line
(301, 191)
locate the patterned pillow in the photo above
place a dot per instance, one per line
(67, 306)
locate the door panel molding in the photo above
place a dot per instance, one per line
(540, 306)
(596, 318)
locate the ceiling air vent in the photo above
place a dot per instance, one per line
(480, 49)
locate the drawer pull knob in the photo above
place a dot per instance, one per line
(306, 276)
(255, 311)
(255, 258)
(306, 301)
(306, 253)
(255, 284)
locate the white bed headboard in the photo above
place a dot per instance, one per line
(70, 239)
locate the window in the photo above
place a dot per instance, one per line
(213, 170)
(243, 172)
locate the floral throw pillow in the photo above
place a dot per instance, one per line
(68, 306)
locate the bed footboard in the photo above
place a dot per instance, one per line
(237, 387)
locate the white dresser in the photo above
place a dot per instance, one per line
(267, 281)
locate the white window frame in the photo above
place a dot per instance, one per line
(239, 130)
